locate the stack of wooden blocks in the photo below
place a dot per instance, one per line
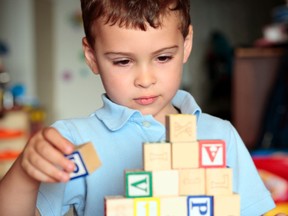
(183, 176)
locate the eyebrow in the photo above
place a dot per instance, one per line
(155, 52)
(165, 49)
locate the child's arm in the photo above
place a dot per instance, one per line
(42, 160)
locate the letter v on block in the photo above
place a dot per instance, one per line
(138, 184)
(212, 153)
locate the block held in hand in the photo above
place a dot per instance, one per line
(85, 159)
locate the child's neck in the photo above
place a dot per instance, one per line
(161, 118)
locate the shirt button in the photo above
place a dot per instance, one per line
(146, 124)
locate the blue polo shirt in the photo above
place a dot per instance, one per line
(118, 133)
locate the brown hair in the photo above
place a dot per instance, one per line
(133, 13)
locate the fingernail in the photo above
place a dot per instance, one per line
(65, 177)
(70, 166)
(69, 149)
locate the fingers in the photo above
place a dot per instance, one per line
(57, 140)
(43, 157)
(42, 170)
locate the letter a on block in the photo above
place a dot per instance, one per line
(212, 153)
(200, 205)
(138, 184)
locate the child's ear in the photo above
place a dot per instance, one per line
(89, 56)
(188, 42)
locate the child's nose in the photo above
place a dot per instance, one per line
(145, 78)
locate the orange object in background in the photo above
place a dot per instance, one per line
(280, 208)
(9, 155)
(7, 158)
(14, 133)
(272, 167)
(10, 134)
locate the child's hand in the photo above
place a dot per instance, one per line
(43, 157)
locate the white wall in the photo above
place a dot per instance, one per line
(78, 95)
(47, 52)
(17, 30)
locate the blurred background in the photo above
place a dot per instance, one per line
(237, 71)
(41, 51)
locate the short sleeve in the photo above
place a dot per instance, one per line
(255, 198)
(56, 199)
(50, 199)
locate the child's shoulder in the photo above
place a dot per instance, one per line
(213, 127)
(77, 121)
(75, 128)
(207, 119)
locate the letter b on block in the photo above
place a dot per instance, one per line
(200, 205)
(80, 168)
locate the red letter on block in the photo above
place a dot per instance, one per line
(212, 153)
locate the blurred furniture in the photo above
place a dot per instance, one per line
(14, 133)
(254, 75)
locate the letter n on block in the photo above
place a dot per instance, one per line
(200, 205)
(138, 184)
(212, 153)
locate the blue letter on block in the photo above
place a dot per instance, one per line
(200, 205)
(80, 168)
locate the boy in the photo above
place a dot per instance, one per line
(138, 48)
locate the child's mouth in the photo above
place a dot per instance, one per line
(146, 100)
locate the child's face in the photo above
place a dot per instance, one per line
(140, 69)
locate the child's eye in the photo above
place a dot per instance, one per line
(122, 62)
(163, 59)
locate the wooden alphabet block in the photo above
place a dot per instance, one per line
(219, 181)
(118, 206)
(212, 153)
(183, 176)
(173, 206)
(185, 155)
(200, 205)
(157, 156)
(147, 206)
(192, 182)
(138, 184)
(227, 205)
(165, 183)
(85, 159)
(181, 128)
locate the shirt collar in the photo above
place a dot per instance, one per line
(115, 116)
(186, 103)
